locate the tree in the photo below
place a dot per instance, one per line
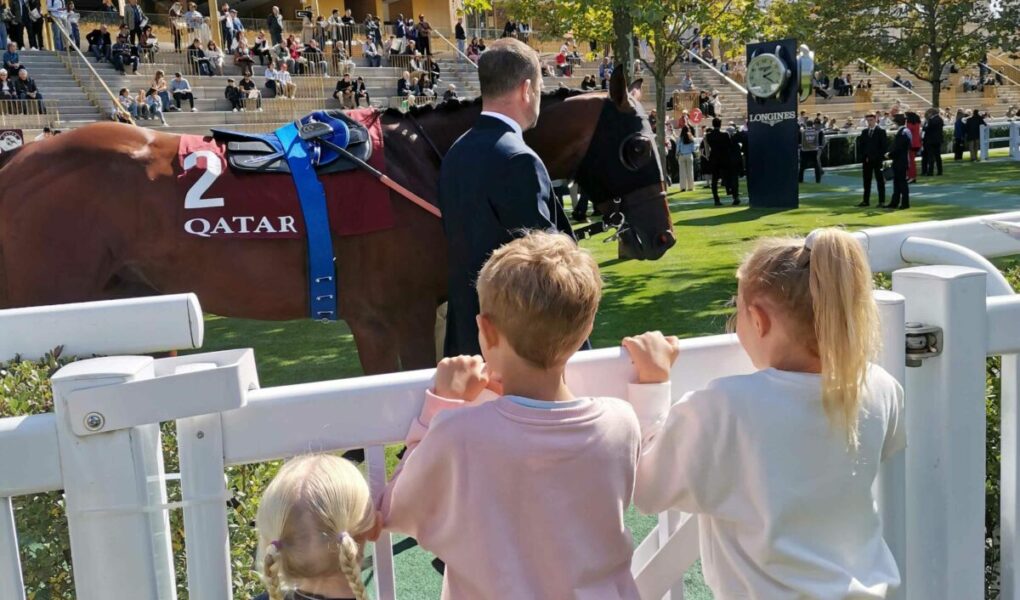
(922, 37)
(585, 19)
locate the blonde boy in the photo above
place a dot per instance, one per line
(524, 496)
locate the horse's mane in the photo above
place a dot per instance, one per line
(449, 106)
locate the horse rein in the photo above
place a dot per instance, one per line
(425, 135)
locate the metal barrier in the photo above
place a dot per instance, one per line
(87, 77)
(29, 114)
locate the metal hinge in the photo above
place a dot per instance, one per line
(923, 341)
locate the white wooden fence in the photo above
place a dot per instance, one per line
(102, 446)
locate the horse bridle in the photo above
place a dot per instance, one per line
(615, 219)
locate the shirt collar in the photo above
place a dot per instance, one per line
(513, 124)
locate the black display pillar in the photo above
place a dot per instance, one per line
(773, 135)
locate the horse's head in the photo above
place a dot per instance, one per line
(621, 172)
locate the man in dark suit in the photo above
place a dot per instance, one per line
(721, 152)
(900, 153)
(492, 186)
(872, 145)
(274, 22)
(932, 142)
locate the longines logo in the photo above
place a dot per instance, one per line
(773, 118)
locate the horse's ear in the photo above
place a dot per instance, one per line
(618, 87)
(635, 86)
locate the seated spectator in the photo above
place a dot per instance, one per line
(180, 89)
(261, 48)
(588, 83)
(315, 60)
(392, 46)
(343, 63)
(899, 81)
(12, 59)
(124, 54)
(249, 92)
(159, 86)
(215, 57)
(197, 58)
(148, 43)
(547, 70)
(297, 62)
(563, 67)
(143, 108)
(416, 65)
(27, 90)
(361, 92)
(405, 85)
(99, 43)
(233, 95)
(410, 49)
(474, 50)
(7, 88)
(425, 87)
(371, 53)
(127, 102)
(433, 68)
(272, 85)
(285, 82)
(345, 91)
(450, 93)
(155, 106)
(243, 56)
(481, 45)
(281, 56)
(686, 84)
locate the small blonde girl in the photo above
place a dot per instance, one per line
(312, 522)
(779, 464)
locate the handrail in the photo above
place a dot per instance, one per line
(113, 98)
(455, 49)
(742, 89)
(1005, 62)
(1004, 76)
(883, 74)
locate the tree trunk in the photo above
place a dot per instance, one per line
(660, 115)
(936, 86)
(623, 44)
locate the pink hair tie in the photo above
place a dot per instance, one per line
(276, 544)
(342, 536)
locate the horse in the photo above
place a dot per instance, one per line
(89, 215)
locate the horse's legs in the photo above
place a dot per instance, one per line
(417, 336)
(378, 344)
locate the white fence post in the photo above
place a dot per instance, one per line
(12, 585)
(1014, 140)
(1009, 472)
(892, 476)
(945, 460)
(114, 492)
(984, 142)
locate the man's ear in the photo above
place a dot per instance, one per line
(525, 90)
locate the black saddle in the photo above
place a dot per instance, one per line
(264, 153)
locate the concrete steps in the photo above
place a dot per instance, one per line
(58, 85)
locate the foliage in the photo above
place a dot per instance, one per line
(585, 19)
(922, 38)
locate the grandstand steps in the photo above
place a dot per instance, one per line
(58, 84)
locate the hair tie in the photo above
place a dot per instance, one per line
(276, 545)
(343, 535)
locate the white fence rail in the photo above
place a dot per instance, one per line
(102, 447)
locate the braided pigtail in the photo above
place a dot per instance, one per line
(350, 565)
(271, 572)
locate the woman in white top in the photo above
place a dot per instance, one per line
(779, 464)
(271, 82)
(215, 56)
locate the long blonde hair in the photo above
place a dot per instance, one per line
(823, 286)
(307, 521)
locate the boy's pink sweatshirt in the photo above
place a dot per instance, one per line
(522, 502)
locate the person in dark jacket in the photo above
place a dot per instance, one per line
(274, 23)
(931, 159)
(900, 155)
(99, 43)
(492, 185)
(872, 146)
(973, 127)
(123, 54)
(721, 153)
(233, 94)
(812, 139)
(959, 134)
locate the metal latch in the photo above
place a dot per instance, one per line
(923, 341)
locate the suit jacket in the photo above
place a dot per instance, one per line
(933, 133)
(274, 24)
(720, 149)
(132, 18)
(491, 187)
(873, 146)
(900, 150)
(973, 126)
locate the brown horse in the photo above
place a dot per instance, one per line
(90, 215)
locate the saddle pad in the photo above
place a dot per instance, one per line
(219, 203)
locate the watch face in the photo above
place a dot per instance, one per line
(766, 74)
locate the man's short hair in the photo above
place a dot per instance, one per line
(505, 66)
(716, 123)
(177, 74)
(542, 292)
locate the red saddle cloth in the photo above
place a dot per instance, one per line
(218, 203)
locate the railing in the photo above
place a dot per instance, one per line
(455, 49)
(931, 497)
(893, 80)
(74, 60)
(29, 114)
(999, 73)
(711, 67)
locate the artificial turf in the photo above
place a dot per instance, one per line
(684, 293)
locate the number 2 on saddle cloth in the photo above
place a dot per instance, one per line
(285, 197)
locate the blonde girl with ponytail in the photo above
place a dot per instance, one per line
(313, 521)
(779, 464)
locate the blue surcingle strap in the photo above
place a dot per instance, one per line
(322, 283)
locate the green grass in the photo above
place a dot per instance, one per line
(683, 293)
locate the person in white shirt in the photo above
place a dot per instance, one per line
(285, 82)
(58, 11)
(779, 464)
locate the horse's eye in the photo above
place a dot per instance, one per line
(636, 152)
